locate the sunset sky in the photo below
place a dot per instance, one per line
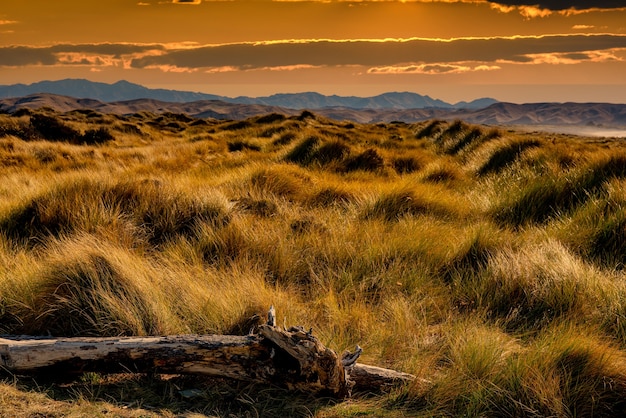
(517, 51)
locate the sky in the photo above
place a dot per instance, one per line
(519, 51)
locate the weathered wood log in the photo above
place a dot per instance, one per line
(213, 355)
(368, 378)
(319, 366)
(289, 358)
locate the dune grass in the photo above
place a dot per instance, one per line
(488, 263)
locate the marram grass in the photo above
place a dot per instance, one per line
(488, 263)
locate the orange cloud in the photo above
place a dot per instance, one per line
(503, 8)
(432, 69)
(173, 69)
(573, 58)
(530, 12)
(413, 55)
(573, 12)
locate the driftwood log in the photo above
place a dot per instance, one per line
(291, 358)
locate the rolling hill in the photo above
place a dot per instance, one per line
(535, 114)
(123, 90)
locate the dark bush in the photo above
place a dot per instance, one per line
(235, 126)
(129, 128)
(452, 131)
(472, 136)
(506, 155)
(441, 175)
(24, 111)
(262, 207)
(180, 117)
(242, 145)
(271, 131)
(96, 136)
(53, 129)
(270, 118)
(155, 212)
(430, 129)
(331, 196)
(18, 129)
(368, 160)
(406, 165)
(306, 115)
(199, 122)
(548, 197)
(331, 151)
(393, 206)
(303, 152)
(608, 244)
(284, 139)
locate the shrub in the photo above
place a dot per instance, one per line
(470, 137)
(526, 289)
(368, 160)
(96, 136)
(395, 205)
(128, 128)
(303, 152)
(537, 202)
(443, 174)
(260, 207)
(17, 128)
(549, 196)
(284, 139)
(607, 244)
(270, 118)
(280, 181)
(306, 115)
(451, 133)
(406, 165)
(236, 126)
(52, 129)
(156, 212)
(430, 130)
(271, 131)
(91, 294)
(506, 155)
(331, 196)
(242, 145)
(331, 151)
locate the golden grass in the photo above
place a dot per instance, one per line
(488, 263)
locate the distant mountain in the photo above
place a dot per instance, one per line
(123, 90)
(319, 101)
(558, 114)
(200, 109)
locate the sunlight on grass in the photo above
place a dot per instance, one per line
(489, 264)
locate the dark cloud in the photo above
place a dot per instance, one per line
(577, 56)
(364, 53)
(106, 49)
(564, 5)
(20, 55)
(13, 56)
(318, 53)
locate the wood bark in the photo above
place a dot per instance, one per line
(289, 358)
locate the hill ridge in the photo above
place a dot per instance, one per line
(125, 90)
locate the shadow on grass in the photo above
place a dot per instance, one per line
(175, 395)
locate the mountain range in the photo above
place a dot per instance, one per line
(123, 90)
(405, 107)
